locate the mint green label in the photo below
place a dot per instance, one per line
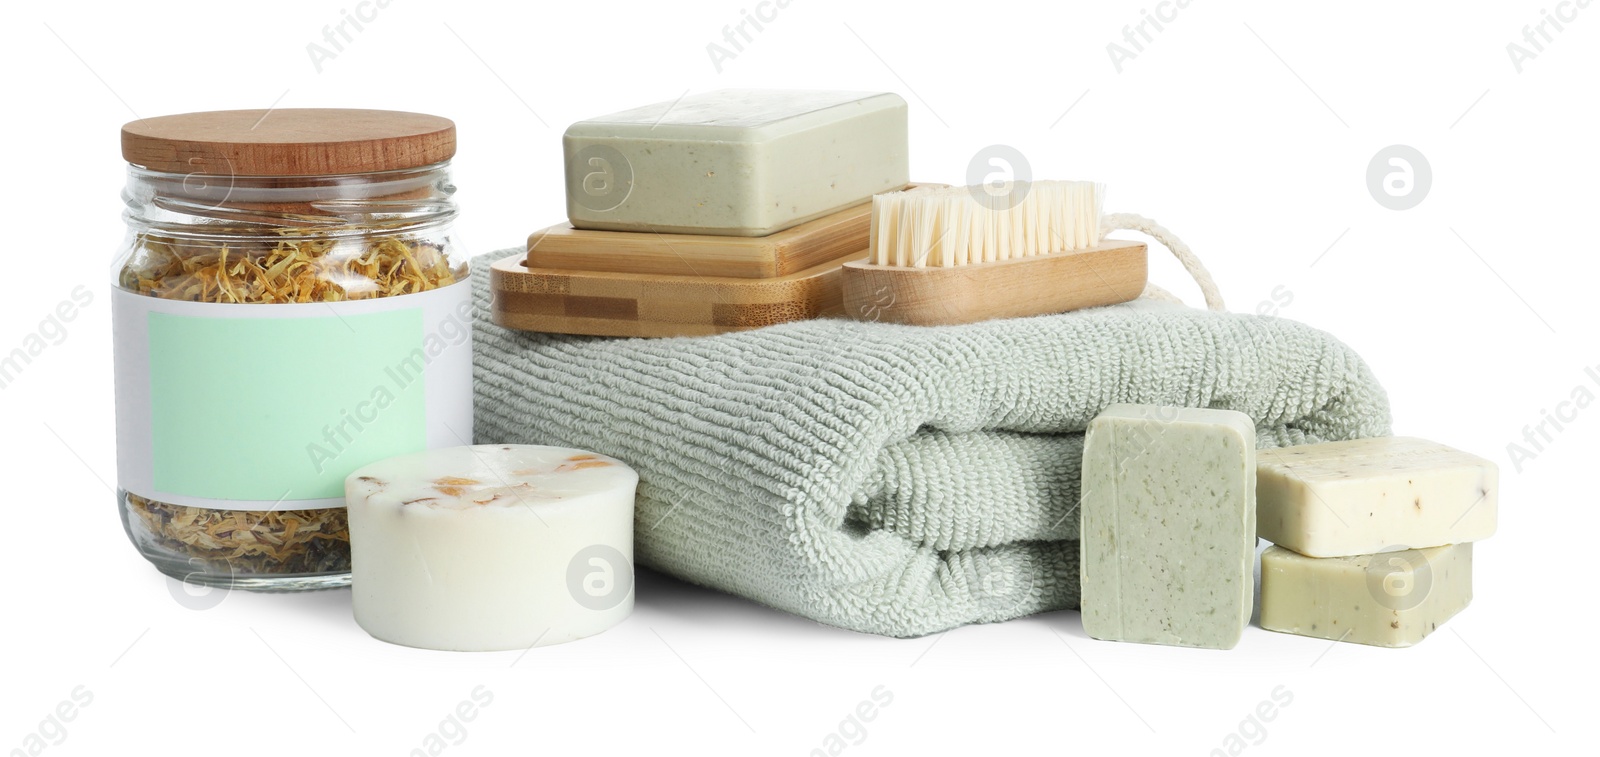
(270, 408)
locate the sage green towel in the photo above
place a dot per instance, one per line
(892, 479)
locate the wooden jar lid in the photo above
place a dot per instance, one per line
(288, 142)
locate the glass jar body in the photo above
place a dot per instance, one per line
(271, 335)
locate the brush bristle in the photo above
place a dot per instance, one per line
(950, 226)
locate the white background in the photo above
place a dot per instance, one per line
(1246, 127)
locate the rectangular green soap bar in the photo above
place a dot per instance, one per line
(734, 162)
(1167, 551)
(1393, 599)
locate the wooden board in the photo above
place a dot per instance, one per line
(647, 305)
(1113, 272)
(789, 251)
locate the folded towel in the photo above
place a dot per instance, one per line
(892, 479)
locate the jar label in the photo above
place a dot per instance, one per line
(271, 406)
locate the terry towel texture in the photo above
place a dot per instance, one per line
(891, 479)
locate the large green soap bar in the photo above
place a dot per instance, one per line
(1167, 551)
(734, 162)
(1394, 599)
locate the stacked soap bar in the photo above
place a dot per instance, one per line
(1167, 550)
(1373, 537)
(734, 162)
(715, 212)
(1392, 599)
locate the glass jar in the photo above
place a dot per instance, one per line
(289, 305)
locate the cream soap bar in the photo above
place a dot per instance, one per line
(491, 547)
(1373, 495)
(734, 162)
(1388, 600)
(1168, 545)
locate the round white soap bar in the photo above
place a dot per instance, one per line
(491, 546)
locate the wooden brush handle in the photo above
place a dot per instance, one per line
(1115, 271)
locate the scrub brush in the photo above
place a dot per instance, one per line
(946, 255)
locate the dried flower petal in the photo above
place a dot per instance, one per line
(583, 465)
(454, 481)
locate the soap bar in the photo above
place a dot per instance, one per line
(1387, 600)
(1167, 551)
(1373, 495)
(734, 162)
(491, 547)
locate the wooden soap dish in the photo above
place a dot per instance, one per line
(1112, 272)
(655, 305)
(785, 252)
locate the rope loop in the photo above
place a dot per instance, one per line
(1134, 222)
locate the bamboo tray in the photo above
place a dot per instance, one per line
(785, 252)
(653, 305)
